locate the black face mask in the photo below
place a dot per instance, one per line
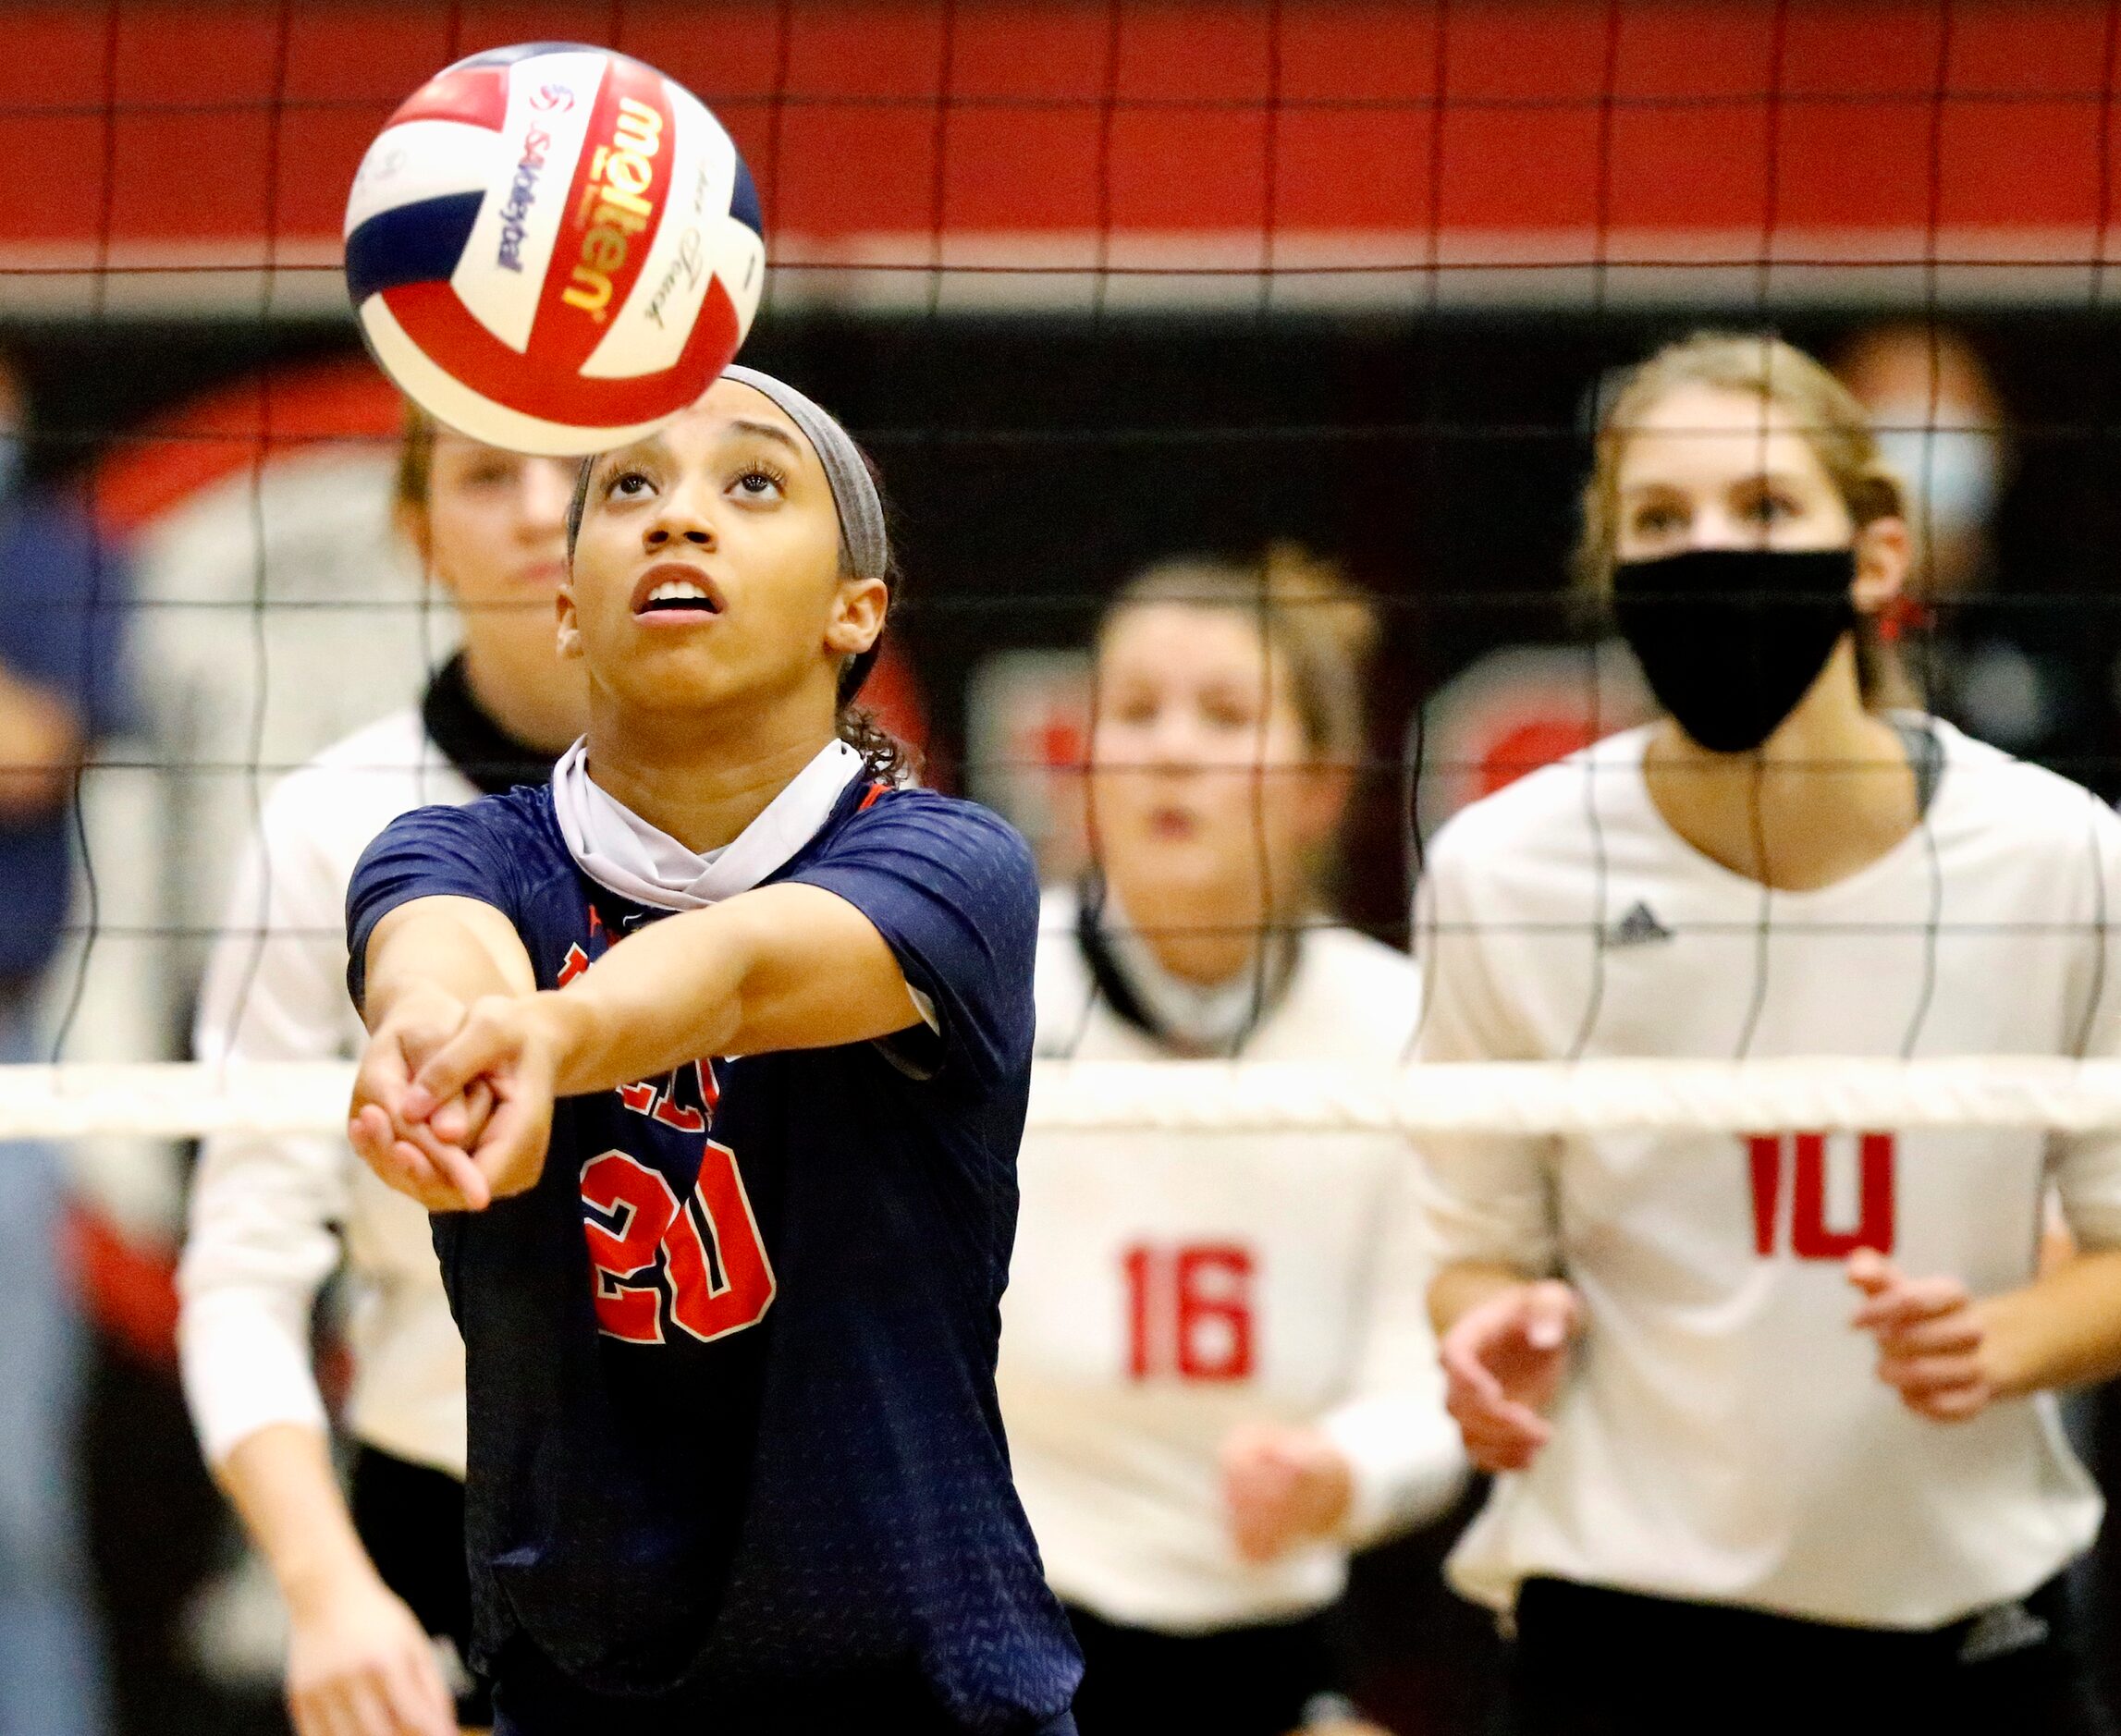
(1730, 640)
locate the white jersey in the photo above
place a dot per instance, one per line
(1166, 1287)
(1722, 1435)
(269, 1213)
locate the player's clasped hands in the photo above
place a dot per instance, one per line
(1503, 1361)
(452, 1103)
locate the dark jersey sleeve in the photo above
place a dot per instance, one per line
(430, 852)
(951, 888)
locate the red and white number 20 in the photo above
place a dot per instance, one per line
(714, 1276)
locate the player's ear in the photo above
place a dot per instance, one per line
(569, 621)
(857, 616)
(1883, 553)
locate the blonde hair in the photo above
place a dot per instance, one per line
(1824, 412)
(1821, 409)
(1323, 628)
(413, 483)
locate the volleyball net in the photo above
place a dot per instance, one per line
(180, 1100)
(1101, 285)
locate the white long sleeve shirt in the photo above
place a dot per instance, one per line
(1721, 1436)
(272, 1218)
(1167, 1288)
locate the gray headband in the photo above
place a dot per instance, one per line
(862, 533)
(863, 539)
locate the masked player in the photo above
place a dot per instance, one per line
(1774, 1412)
(1216, 1373)
(729, 1319)
(271, 1218)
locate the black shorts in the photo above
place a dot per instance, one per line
(1234, 1681)
(1592, 1661)
(532, 1697)
(410, 1519)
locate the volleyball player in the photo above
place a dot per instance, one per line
(735, 1458)
(1774, 1411)
(1217, 1374)
(272, 1218)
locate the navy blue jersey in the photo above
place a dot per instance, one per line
(730, 1364)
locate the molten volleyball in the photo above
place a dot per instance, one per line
(554, 248)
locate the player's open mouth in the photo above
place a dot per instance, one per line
(674, 590)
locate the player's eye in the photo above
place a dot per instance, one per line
(627, 484)
(1658, 519)
(758, 482)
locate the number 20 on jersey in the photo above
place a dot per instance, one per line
(700, 1263)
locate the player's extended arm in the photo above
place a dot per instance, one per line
(1950, 1356)
(784, 967)
(428, 962)
(357, 1659)
(2064, 1329)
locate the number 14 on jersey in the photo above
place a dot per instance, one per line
(1794, 1173)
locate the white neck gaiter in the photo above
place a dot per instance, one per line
(1210, 1019)
(619, 851)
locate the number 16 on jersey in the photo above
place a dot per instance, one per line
(1189, 1310)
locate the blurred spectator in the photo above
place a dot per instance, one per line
(1940, 425)
(1216, 1371)
(1942, 430)
(61, 688)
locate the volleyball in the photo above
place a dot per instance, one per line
(553, 248)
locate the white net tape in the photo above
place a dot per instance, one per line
(1834, 1095)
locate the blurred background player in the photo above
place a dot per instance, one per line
(272, 1218)
(1940, 424)
(792, 1023)
(62, 687)
(1216, 1369)
(1970, 647)
(1773, 1409)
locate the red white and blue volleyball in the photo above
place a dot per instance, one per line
(554, 248)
